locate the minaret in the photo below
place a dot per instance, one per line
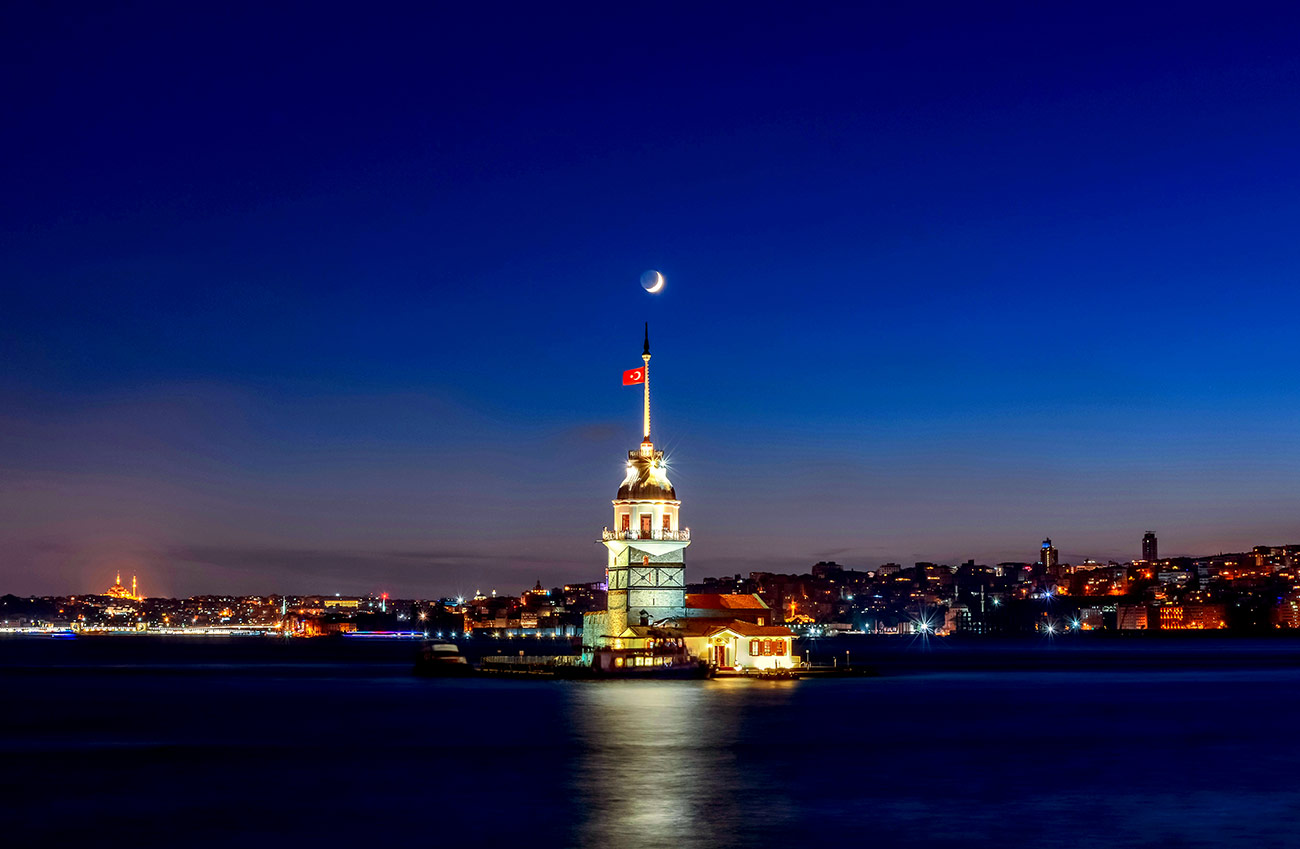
(134, 594)
(646, 573)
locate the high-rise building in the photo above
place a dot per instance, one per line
(1150, 553)
(1048, 555)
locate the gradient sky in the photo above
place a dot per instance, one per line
(311, 299)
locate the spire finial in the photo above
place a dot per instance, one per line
(645, 357)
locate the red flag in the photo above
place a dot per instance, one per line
(633, 376)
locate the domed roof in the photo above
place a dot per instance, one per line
(647, 478)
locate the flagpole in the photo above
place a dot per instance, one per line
(645, 356)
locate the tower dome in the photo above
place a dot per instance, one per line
(646, 507)
(647, 477)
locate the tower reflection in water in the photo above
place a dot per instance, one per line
(664, 763)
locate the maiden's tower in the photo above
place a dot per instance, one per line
(650, 621)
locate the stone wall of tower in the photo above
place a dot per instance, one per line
(640, 580)
(656, 584)
(617, 574)
(595, 627)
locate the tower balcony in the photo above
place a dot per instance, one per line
(658, 535)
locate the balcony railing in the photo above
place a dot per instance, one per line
(679, 535)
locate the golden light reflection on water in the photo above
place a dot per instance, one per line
(658, 764)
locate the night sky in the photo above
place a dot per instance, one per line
(314, 300)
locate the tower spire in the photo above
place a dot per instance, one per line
(645, 356)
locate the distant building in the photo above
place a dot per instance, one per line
(1049, 557)
(1014, 572)
(1191, 617)
(119, 591)
(1092, 618)
(1150, 552)
(1287, 613)
(1131, 617)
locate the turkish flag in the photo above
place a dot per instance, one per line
(633, 376)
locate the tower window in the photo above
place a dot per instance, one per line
(645, 524)
(668, 522)
(627, 521)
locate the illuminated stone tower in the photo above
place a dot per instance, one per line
(646, 570)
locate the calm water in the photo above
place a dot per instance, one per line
(223, 745)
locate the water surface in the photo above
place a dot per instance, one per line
(234, 744)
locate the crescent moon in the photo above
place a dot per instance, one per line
(656, 287)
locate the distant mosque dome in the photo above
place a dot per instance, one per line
(647, 477)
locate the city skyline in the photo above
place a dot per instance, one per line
(1147, 555)
(644, 587)
(353, 312)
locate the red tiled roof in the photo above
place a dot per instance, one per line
(748, 629)
(701, 626)
(728, 601)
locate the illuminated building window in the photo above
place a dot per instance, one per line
(627, 521)
(668, 522)
(645, 524)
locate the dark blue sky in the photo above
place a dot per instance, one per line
(337, 300)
